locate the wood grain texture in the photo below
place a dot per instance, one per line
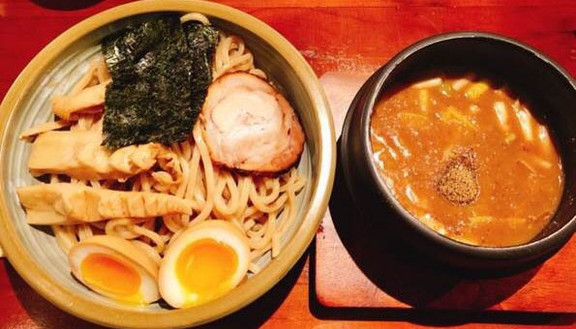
(333, 35)
(359, 36)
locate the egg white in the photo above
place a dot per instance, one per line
(148, 290)
(218, 230)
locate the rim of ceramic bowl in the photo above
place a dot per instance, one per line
(548, 243)
(82, 306)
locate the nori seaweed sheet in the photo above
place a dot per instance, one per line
(126, 48)
(159, 81)
(202, 40)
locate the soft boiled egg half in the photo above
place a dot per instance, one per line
(115, 268)
(204, 262)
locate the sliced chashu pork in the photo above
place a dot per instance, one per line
(79, 154)
(66, 203)
(249, 126)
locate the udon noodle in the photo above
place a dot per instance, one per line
(263, 207)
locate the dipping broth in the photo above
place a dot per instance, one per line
(468, 160)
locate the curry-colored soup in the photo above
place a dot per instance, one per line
(468, 160)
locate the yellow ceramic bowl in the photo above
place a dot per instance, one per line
(33, 251)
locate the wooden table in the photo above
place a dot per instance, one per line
(333, 35)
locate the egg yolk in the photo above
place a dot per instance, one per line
(205, 268)
(104, 273)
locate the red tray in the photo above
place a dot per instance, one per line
(390, 279)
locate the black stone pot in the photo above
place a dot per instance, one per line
(552, 95)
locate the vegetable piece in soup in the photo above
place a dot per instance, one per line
(468, 160)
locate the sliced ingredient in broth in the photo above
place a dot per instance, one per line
(468, 160)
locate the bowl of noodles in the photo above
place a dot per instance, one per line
(164, 164)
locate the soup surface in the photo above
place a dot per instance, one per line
(468, 160)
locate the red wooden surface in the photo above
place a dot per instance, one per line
(333, 35)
